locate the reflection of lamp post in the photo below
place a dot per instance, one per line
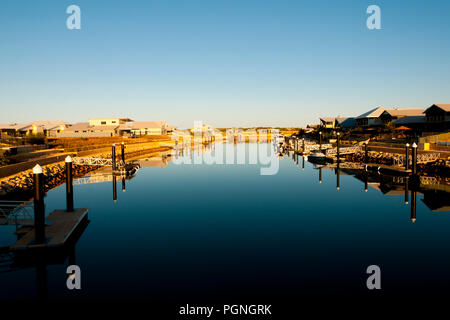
(338, 186)
(320, 175)
(114, 188)
(413, 206)
(406, 190)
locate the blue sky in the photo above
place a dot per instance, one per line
(228, 63)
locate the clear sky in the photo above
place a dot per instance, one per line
(226, 62)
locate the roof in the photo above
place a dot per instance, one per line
(10, 126)
(328, 119)
(347, 123)
(410, 119)
(374, 113)
(49, 124)
(112, 118)
(80, 126)
(445, 107)
(405, 112)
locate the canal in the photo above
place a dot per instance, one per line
(185, 232)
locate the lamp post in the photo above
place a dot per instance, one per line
(113, 157)
(337, 146)
(69, 184)
(406, 156)
(320, 140)
(39, 206)
(122, 146)
(414, 158)
(366, 153)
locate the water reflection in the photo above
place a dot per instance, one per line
(436, 191)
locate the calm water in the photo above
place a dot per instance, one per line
(186, 232)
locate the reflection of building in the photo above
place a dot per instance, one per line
(437, 201)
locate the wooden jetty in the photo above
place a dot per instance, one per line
(60, 225)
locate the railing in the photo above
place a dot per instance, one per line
(399, 160)
(345, 150)
(312, 147)
(16, 212)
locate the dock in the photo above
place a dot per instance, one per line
(59, 227)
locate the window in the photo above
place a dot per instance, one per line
(113, 121)
(103, 122)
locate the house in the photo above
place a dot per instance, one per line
(48, 128)
(438, 114)
(84, 129)
(328, 123)
(108, 121)
(12, 129)
(332, 123)
(140, 128)
(390, 115)
(370, 118)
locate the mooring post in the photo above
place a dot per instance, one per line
(69, 184)
(414, 158)
(123, 184)
(39, 206)
(122, 146)
(113, 157)
(366, 153)
(337, 146)
(406, 156)
(366, 180)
